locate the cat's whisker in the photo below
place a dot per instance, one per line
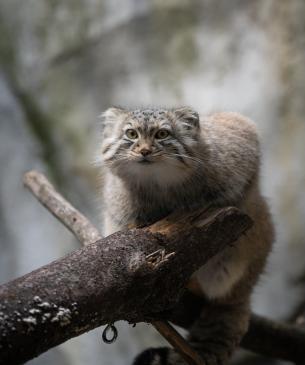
(185, 157)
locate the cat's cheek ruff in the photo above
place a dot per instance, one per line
(116, 151)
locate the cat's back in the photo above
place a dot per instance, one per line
(232, 140)
(229, 126)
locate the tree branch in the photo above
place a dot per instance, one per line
(66, 298)
(76, 222)
(119, 277)
(266, 337)
(85, 232)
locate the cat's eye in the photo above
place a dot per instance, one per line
(131, 133)
(162, 134)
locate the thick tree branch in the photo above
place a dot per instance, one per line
(119, 277)
(65, 298)
(266, 337)
(84, 231)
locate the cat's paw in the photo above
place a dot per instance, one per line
(153, 356)
(159, 356)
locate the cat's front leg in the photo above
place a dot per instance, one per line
(214, 335)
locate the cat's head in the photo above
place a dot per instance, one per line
(150, 144)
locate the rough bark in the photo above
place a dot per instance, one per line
(82, 228)
(60, 319)
(133, 275)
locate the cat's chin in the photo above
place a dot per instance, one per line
(160, 173)
(145, 162)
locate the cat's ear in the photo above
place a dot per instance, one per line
(188, 117)
(111, 117)
(113, 114)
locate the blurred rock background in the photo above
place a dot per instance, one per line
(63, 63)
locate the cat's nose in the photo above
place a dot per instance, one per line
(145, 152)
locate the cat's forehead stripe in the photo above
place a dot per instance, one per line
(138, 113)
(148, 117)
